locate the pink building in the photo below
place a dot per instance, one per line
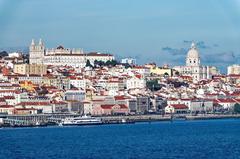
(176, 108)
(109, 109)
(8, 109)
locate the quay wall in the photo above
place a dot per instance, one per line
(212, 116)
(56, 118)
(137, 118)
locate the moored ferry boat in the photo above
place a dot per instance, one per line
(83, 120)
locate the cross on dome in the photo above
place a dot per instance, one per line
(193, 46)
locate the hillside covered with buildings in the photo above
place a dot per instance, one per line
(61, 80)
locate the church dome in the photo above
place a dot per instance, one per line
(193, 52)
(60, 47)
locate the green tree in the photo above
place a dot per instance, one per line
(88, 64)
(108, 63)
(153, 85)
(177, 73)
(237, 108)
(3, 54)
(114, 62)
(96, 62)
(166, 74)
(127, 66)
(111, 63)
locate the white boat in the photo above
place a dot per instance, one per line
(37, 123)
(83, 120)
(124, 121)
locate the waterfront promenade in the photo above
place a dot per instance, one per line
(150, 118)
(52, 119)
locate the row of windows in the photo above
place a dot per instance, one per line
(191, 61)
(78, 93)
(77, 58)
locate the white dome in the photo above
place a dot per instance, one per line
(193, 52)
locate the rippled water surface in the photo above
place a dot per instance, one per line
(208, 139)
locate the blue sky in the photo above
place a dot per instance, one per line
(149, 30)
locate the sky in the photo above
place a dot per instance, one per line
(158, 31)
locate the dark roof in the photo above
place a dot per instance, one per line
(60, 47)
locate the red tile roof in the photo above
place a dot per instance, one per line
(109, 106)
(6, 106)
(121, 97)
(9, 97)
(19, 109)
(227, 100)
(58, 102)
(123, 106)
(179, 106)
(2, 99)
(34, 103)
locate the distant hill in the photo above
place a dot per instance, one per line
(22, 49)
(3, 53)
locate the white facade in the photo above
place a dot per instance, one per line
(14, 54)
(32, 78)
(64, 57)
(87, 107)
(36, 52)
(130, 61)
(113, 87)
(233, 69)
(135, 82)
(78, 83)
(193, 66)
(141, 70)
(66, 60)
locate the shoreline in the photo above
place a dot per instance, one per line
(235, 116)
(108, 120)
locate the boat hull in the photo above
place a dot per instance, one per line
(80, 124)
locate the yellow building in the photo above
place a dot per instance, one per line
(161, 71)
(31, 69)
(60, 83)
(154, 69)
(233, 69)
(28, 85)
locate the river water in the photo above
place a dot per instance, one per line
(208, 139)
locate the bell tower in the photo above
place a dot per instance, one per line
(36, 52)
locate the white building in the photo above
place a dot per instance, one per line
(135, 82)
(36, 79)
(114, 86)
(62, 56)
(141, 70)
(193, 66)
(130, 61)
(15, 54)
(78, 82)
(233, 69)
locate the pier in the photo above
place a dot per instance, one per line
(54, 119)
(136, 118)
(33, 120)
